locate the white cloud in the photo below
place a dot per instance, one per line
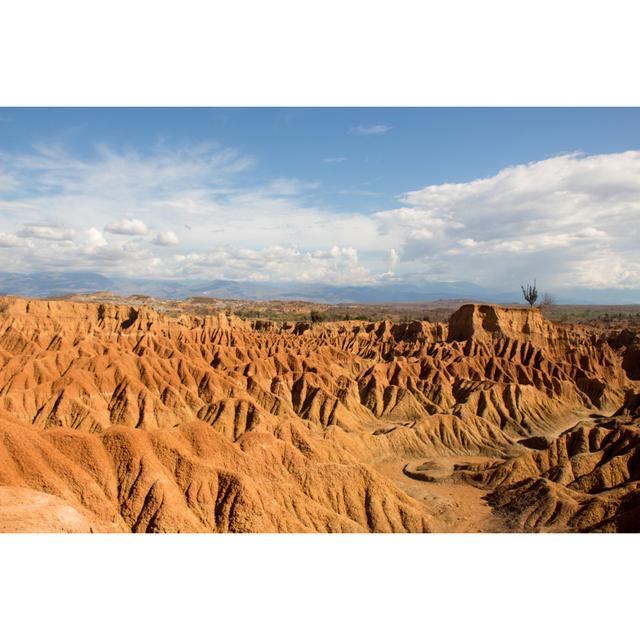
(555, 218)
(46, 232)
(336, 160)
(94, 239)
(10, 240)
(566, 220)
(370, 129)
(112, 173)
(166, 239)
(127, 227)
(277, 263)
(199, 189)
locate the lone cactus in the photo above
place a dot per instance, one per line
(530, 293)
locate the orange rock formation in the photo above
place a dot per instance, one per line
(115, 418)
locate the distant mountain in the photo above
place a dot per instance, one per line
(399, 292)
(44, 284)
(47, 284)
(38, 285)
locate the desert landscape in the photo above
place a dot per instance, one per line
(319, 322)
(118, 416)
(349, 320)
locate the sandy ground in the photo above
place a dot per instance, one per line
(457, 507)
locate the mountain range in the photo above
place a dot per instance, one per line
(52, 284)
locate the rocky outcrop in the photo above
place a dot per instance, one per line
(143, 422)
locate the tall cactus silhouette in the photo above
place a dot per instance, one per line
(530, 293)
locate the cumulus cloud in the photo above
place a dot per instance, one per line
(277, 263)
(166, 239)
(557, 218)
(199, 187)
(568, 220)
(127, 227)
(46, 232)
(370, 129)
(89, 252)
(94, 239)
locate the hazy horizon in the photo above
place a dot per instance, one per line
(53, 284)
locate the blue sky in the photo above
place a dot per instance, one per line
(352, 195)
(423, 146)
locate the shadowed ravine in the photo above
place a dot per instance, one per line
(121, 419)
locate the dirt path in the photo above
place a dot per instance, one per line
(456, 507)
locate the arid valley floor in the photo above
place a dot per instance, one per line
(117, 417)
